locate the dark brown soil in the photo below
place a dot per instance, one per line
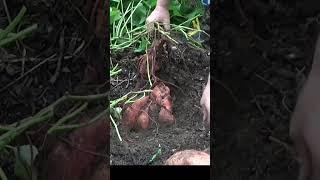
(62, 34)
(187, 69)
(263, 51)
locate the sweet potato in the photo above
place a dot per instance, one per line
(143, 65)
(167, 103)
(151, 57)
(156, 95)
(143, 120)
(67, 161)
(165, 90)
(131, 113)
(137, 115)
(153, 64)
(166, 117)
(159, 92)
(189, 157)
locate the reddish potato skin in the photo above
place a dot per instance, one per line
(189, 157)
(167, 103)
(153, 65)
(143, 120)
(64, 161)
(129, 117)
(161, 95)
(156, 95)
(159, 92)
(165, 91)
(166, 117)
(132, 112)
(143, 65)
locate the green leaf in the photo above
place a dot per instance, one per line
(115, 15)
(142, 46)
(24, 156)
(150, 4)
(139, 16)
(175, 9)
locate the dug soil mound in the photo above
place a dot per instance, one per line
(184, 70)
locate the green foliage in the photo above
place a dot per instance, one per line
(128, 19)
(183, 10)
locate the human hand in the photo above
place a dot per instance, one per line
(205, 102)
(161, 15)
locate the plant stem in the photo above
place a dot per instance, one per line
(75, 126)
(68, 117)
(18, 35)
(7, 137)
(13, 24)
(116, 127)
(148, 69)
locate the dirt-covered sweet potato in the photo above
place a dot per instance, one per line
(189, 157)
(132, 112)
(166, 117)
(143, 121)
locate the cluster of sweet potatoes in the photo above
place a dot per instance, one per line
(137, 116)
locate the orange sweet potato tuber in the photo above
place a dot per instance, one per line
(189, 157)
(132, 112)
(165, 90)
(143, 120)
(156, 94)
(166, 116)
(146, 59)
(167, 103)
(159, 92)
